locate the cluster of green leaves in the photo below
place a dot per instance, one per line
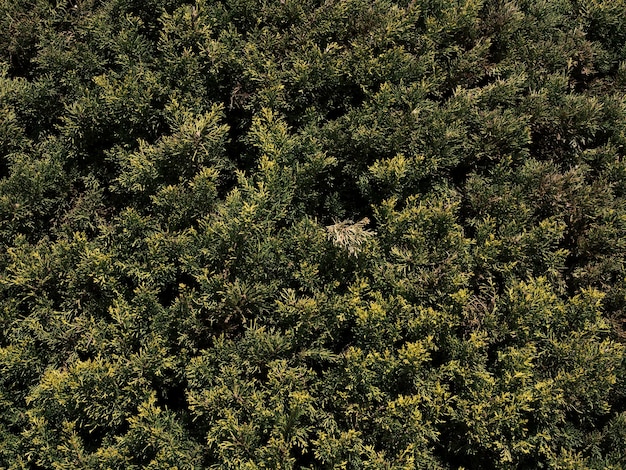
(312, 234)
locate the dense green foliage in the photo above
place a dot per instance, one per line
(312, 234)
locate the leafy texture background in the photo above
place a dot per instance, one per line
(248, 234)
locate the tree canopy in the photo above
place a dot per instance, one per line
(306, 234)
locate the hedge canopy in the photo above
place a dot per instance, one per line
(302, 234)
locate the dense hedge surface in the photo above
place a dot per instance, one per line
(359, 234)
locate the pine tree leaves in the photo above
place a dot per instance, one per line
(343, 234)
(197, 144)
